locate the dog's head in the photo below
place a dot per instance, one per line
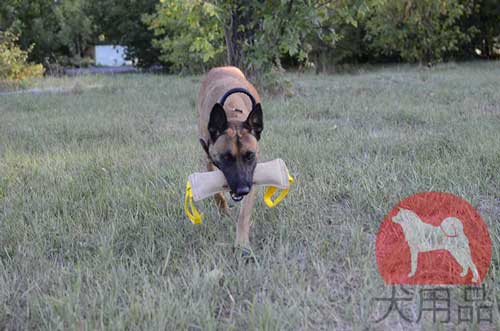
(403, 216)
(234, 148)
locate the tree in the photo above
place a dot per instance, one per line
(259, 33)
(257, 36)
(121, 22)
(188, 33)
(347, 18)
(54, 28)
(253, 34)
(416, 31)
(76, 29)
(35, 24)
(483, 24)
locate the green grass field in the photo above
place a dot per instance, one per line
(93, 233)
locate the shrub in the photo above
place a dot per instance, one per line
(416, 31)
(14, 65)
(188, 34)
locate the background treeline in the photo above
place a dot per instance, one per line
(191, 35)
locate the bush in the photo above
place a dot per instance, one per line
(348, 19)
(14, 65)
(188, 33)
(416, 31)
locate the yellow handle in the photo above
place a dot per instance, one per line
(193, 214)
(270, 192)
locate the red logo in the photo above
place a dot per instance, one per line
(433, 238)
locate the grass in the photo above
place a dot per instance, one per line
(92, 229)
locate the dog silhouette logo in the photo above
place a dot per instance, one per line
(433, 238)
(423, 237)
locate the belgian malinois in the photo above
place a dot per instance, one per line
(229, 126)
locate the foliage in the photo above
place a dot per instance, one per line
(188, 33)
(120, 22)
(56, 29)
(483, 25)
(423, 30)
(14, 65)
(75, 26)
(257, 36)
(34, 22)
(281, 28)
(254, 34)
(388, 30)
(347, 18)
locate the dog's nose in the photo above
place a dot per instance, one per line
(242, 190)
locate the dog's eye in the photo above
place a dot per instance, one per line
(249, 156)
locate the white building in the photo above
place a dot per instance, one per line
(109, 55)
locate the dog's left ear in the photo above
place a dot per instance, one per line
(255, 121)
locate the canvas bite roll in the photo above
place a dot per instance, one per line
(271, 173)
(200, 185)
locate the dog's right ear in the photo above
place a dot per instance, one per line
(218, 122)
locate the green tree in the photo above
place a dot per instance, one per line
(258, 34)
(35, 23)
(120, 22)
(54, 28)
(254, 35)
(188, 33)
(347, 18)
(483, 24)
(416, 31)
(75, 29)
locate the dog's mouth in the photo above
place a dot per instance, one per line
(236, 197)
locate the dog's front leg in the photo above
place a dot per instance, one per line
(243, 228)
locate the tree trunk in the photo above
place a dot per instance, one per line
(238, 31)
(233, 44)
(486, 47)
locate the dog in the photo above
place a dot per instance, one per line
(229, 131)
(423, 237)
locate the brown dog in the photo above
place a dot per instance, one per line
(229, 133)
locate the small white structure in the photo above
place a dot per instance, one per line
(109, 55)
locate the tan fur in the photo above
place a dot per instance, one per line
(217, 82)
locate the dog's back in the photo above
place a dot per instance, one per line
(217, 82)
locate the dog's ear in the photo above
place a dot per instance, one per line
(218, 122)
(255, 121)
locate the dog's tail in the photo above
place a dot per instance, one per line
(452, 227)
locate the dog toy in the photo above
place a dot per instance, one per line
(201, 185)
